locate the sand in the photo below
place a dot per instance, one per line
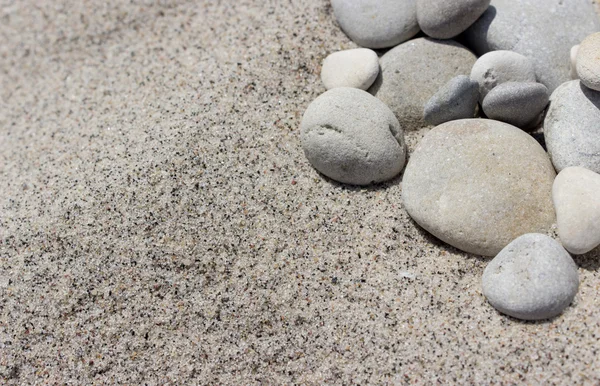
(159, 223)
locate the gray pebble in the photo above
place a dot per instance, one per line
(356, 68)
(572, 127)
(533, 278)
(377, 23)
(469, 183)
(457, 99)
(445, 19)
(517, 103)
(352, 137)
(414, 71)
(542, 30)
(588, 63)
(497, 67)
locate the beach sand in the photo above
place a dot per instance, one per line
(159, 223)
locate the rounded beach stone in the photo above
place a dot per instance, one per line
(576, 195)
(533, 278)
(352, 137)
(573, 63)
(544, 31)
(377, 23)
(498, 67)
(446, 19)
(457, 99)
(517, 103)
(356, 68)
(588, 63)
(572, 127)
(469, 183)
(414, 71)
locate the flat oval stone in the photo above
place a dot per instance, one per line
(572, 127)
(517, 103)
(588, 64)
(446, 19)
(469, 183)
(356, 68)
(352, 137)
(544, 31)
(457, 99)
(414, 71)
(576, 195)
(532, 278)
(497, 67)
(377, 23)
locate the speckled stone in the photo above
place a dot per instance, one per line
(572, 127)
(448, 18)
(544, 31)
(414, 71)
(517, 103)
(352, 137)
(576, 196)
(497, 67)
(377, 23)
(588, 64)
(457, 99)
(469, 183)
(532, 278)
(356, 68)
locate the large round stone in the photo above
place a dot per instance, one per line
(414, 71)
(572, 127)
(478, 184)
(543, 30)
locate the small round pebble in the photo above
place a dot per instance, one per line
(377, 23)
(477, 184)
(576, 196)
(588, 62)
(445, 19)
(352, 137)
(356, 68)
(572, 127)
(457, 99)
(517, 103)
(497, 67)
(573, 62)
(532, 278)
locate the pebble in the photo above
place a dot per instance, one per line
(356, 68)
(517, 103)
(352, 137)
(533, 278)
(448, 18)
(457, 99)
(588, 63)
(571, 127)
(573, 63)
(377, 23)
(469, 183)
(576, 195)
(544, 31)
(414, 71)
(497, 67)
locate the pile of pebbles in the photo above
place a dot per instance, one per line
(483, 73)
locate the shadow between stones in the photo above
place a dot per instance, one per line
(589, 261)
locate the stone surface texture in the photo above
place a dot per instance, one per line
(576, 196)
(517, 103)
(588, 61)
(572, 127)
(356, 68)
(413, 72)
(457, 99)
(377, 23)
(469, 183)
(448, 18)
(533, 278)
(544, 31)
(353, 137)
(573, 62)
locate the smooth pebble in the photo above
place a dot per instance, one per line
(532, 278)
(517, 103)
(588, 61)
(445, 19)
(352, 137)
(477, 184)
(356, 68)
(576, 196)
(457, 99)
